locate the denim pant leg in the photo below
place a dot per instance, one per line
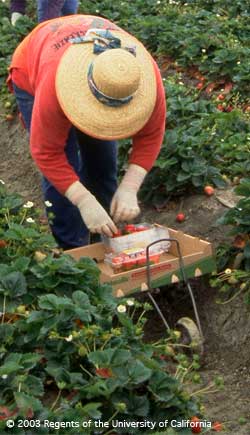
(70, 7)
(18, 6)
(48, 9)
(99, 167)
(67, 227)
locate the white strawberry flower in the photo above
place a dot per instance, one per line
(4, 376)
(48, 203)
(28, 204)
(69, 338)
(130, 302)
(121, 309)
(30, 220)
(2, 182)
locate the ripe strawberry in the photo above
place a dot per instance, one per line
(197, 427)
(220, 107)
(221, 97)
(229, 108)
(199, 85)
(209, 190)
(104, 373)
(3, 243)
(180, 217)
(130, 228)
(118, 233)
(217, 426)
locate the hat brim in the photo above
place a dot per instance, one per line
(90, 115)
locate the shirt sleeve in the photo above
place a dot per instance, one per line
(49, 132)
(146, 144)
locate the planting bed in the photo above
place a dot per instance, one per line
(227, 350)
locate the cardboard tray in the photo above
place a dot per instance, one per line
(197, 257)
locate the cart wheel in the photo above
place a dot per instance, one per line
(190, 334)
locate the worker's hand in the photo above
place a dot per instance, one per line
(124, 205)
(94, 216)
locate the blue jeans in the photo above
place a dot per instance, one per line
(95, 162)
(47, 9)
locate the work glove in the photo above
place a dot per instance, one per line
(124, 205)
(93, 214)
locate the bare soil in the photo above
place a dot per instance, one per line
(226, 327)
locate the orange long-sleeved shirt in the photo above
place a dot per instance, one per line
(33, 69)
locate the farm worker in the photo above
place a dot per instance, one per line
(46, 9)
(82, 83)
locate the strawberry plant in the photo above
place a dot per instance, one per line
(234, 259)
(70, 351)
(10, 37)
(238, 218)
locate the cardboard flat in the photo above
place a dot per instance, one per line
(196, 253)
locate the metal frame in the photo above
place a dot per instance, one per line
(184, 278)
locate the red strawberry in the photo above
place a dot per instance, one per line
(217, 426)
(196, 428)
(130, 228)
(221, 97)
(104, 373)
(5, 413)
(199, 85)
(118, 233)
(220, 107)
(209, 190)
(180, 217)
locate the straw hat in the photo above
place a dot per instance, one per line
(109, 95)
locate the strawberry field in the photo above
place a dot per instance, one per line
(76, 360)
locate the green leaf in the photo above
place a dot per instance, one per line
(83, 315)
(13, 284)
(92, 410)
(6, 332)
(138, 405)
(163, 386)
(101, 358)
(29, 360)
(81, 299)
(9, 368)
(98, 389)
(31, 385)
(243, 188)
(138, 373)
(183, 176)
(54, 303)
(21, 264)
(26, 402)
